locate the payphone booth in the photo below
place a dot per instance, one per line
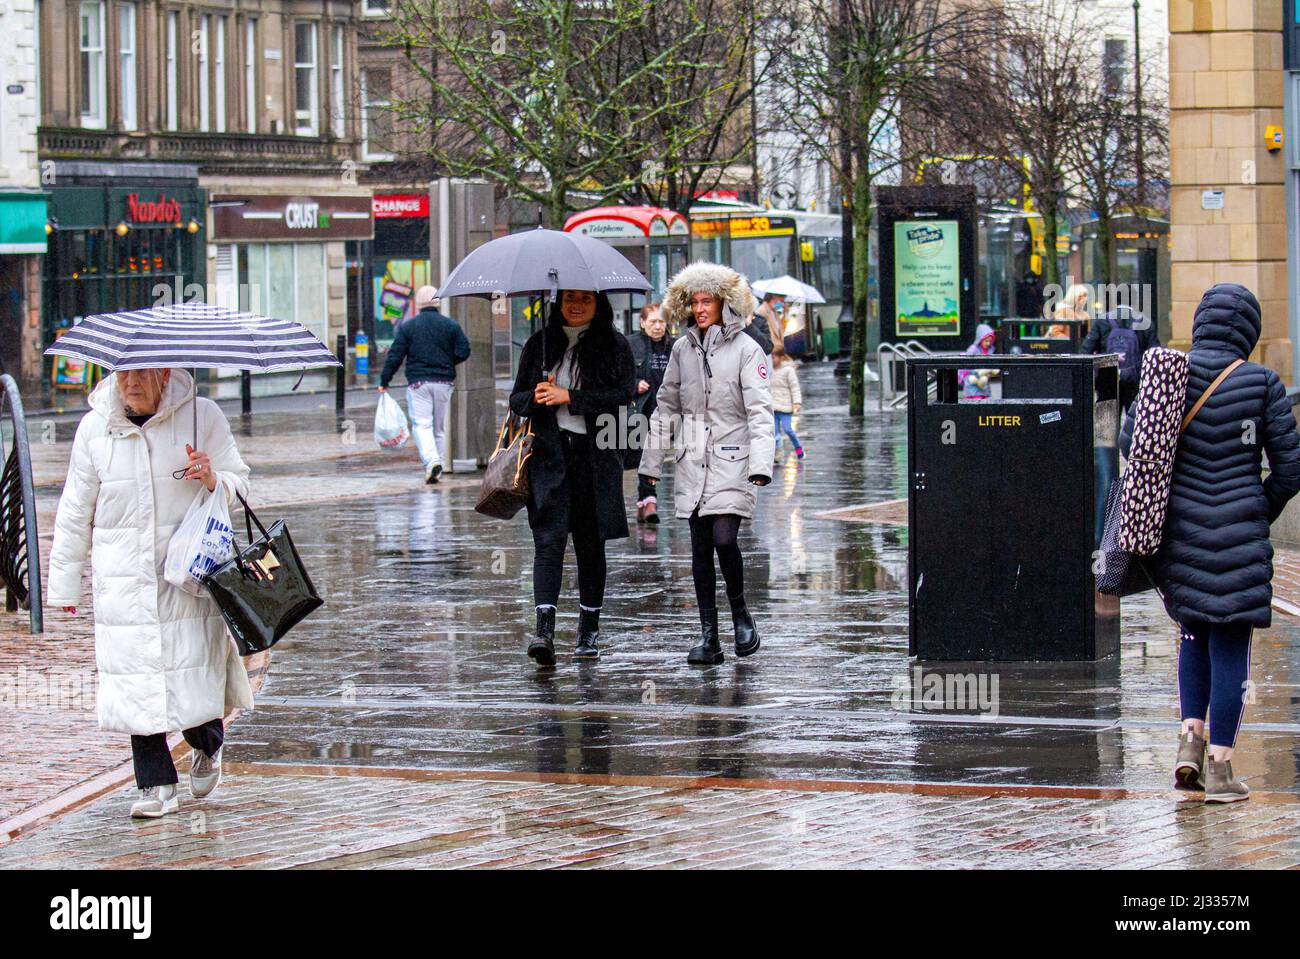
(655, 240)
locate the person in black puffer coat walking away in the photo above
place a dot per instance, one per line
(1214, 567)
(574, 375)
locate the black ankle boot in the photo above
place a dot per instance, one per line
(747, 641)
(588, 634)
(542, 646)
(709, 651)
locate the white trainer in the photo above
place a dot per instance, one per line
(155, 802)
(205, 773)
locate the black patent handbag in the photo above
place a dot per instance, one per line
(264, 591)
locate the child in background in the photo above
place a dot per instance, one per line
(787, 398)
(975, 382)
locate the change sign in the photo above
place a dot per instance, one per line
(927, 277)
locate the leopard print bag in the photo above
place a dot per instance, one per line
(1137, 502)
(1161, 401)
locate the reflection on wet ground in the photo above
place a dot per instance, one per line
(417, 660)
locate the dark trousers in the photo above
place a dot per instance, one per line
(709, 535)
(588, 547)
(153, 760)
(644, 490)
(1213, 675)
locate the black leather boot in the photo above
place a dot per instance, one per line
(588, 634)
(747, 641)
(709, 651)
(542, 646)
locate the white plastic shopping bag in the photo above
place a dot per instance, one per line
(390, 423)
(202, 542)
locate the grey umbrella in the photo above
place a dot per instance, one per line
(543, 262)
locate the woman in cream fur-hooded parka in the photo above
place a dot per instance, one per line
(717, 386)
(165, 662)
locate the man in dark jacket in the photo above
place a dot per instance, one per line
(431, 345)
(1214, 566)
(1122, 331)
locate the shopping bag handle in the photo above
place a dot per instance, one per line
(249, 518)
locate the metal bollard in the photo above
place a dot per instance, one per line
(340, 374)
(245, 392)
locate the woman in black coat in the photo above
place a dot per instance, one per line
(1214, 567)
(574, 375)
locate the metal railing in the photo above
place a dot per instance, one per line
(20, 551)
(887, 355)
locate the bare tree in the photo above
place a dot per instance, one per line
(1028, 103)
(862, 80)
(559, 98)
(694, 120)
(1103, 155)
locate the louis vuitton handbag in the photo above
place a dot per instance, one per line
(264, 591)
(505, 481)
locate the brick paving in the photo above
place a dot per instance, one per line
(283, 815)
(336, 822)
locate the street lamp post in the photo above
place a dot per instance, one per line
(1137, 103)
(845, 322)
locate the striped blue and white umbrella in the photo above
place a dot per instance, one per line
(194, 335)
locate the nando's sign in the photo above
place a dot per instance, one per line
(163, 209)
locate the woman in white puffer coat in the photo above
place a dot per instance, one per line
(717, 387)
(165, 662)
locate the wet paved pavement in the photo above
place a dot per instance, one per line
(415, 668)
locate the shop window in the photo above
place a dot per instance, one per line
(376, 118)
(127, 87)
(286, 281)
(306, 97)
(93, 80)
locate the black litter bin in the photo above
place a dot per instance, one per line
(1001, 509)
(1015, 335)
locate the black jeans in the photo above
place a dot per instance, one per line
(588, 547)
(153, 760)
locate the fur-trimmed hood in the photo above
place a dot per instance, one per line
(737, 300)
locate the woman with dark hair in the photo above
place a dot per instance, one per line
(573, 371)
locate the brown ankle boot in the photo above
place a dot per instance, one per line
(1189, 767)
(1220, 785)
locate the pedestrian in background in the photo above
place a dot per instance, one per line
(787, 399)
(975, 382)
(571, 373)
(1074, 306)
(1128, 333)
(716, 386)
(651, 348)
(1214, 566)
(165, 662)
(432, 346)
(772, 312)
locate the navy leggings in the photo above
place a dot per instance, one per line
(1213, 670)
